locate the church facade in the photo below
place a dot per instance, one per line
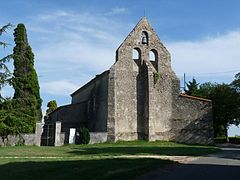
(138, 97)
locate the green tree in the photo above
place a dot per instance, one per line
(225, 107)
(25, 80)
(5, 74)
(236, 82)
(19, 115)
(206, 90)
(192, 87)
(225, 103)
(52, 105)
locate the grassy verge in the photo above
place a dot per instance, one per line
(90, 161)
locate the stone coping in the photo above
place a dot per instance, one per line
(195, 97)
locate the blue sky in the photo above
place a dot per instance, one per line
(75, 40)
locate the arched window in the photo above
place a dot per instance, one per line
(144, 37)
(136, 54)
(153, 55)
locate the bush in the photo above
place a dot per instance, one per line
(84, 136)
(220, 140)
(234, 140)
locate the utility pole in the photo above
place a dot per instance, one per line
(184, 81)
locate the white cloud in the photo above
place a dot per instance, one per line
(52, 16)
(117, 10)
(74, 46)
(77, 54)
(209, 55)
(233, 130)
(58, 87)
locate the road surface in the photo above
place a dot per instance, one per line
(219, 166)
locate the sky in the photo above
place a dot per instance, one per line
(75, 40)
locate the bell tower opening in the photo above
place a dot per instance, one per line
(153, 58)
(136, 54)
(145, 38)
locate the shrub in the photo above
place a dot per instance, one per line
(234, 140)
(220, 140)
(84, 136)
(155, 77)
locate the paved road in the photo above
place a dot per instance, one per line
(222, 165)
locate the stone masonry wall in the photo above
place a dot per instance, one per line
(192, 120)
(23, 139)
(98, 137)
(138, 103)
(144, 101)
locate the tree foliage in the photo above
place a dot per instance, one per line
(19, 115)
(192, 87)
(225, 108)
(236, 83)
(25, 81)
(5, 74)
(225, 104)
(52, 105)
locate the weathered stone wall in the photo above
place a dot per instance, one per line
(192, 120)
(23, 139)
(125, 115)
(162, 96)
(97, 137)
(144, 101)
(95, 97)
(138, 104)
(89, 107)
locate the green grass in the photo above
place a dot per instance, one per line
(90, 161)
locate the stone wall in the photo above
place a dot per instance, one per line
(98, 137)
(88, 108)
(138, 108)
(23, 139)
(192, 120)
(144, 100)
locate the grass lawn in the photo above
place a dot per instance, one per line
(90, 161)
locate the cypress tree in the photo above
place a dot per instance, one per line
(25, 80)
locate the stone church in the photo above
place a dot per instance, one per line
(138, 98)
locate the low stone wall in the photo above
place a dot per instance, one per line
(98, 137)
(192, 120)
(23, 139)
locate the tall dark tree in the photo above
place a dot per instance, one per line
(25, 80)
(5, 74)
(192, 87)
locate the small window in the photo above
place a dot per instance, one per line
(136, 54)
(144, 37)
(152, 55)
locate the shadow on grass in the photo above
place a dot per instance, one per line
(147, 150)
(80, 169)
